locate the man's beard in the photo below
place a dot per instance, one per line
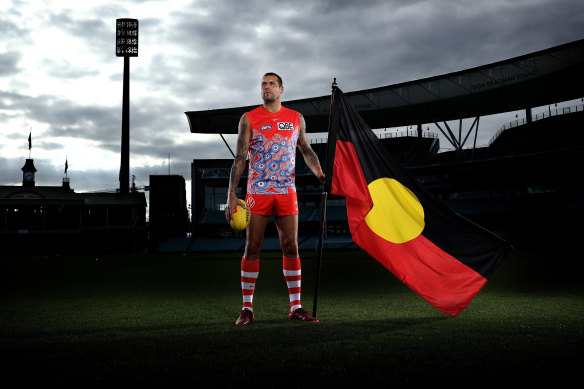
(268, 98)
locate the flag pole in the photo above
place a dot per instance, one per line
(331, 141)
(29, 142)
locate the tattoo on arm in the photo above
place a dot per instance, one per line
(241, 153)
(311, 159)
(236, 172)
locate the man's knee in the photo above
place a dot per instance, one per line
(253, 247)
(255, 236)
(289, 247)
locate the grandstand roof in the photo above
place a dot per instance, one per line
(540, 78)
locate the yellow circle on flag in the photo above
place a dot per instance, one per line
(397, 215)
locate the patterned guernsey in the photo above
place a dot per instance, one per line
(272, 151)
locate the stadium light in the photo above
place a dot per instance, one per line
(126, 37)
(126, 46)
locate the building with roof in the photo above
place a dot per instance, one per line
(56, 220)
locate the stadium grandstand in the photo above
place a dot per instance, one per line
(525, 185)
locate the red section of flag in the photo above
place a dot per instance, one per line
(432, 273)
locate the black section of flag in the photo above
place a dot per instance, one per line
(464, 240)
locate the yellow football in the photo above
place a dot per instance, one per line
(240, 218)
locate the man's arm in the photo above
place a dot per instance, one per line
(238, 166)
(310, 156)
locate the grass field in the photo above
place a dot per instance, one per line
(167, 320)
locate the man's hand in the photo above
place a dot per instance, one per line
(232, 202)
(321, 177)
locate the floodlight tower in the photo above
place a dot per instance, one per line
(126, 46)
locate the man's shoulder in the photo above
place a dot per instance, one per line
(290, 112)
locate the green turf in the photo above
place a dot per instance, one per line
(162, 320)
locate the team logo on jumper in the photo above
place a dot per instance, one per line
(285, 126)
(266, 127)
(250, 202)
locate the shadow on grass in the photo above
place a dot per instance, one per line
(418, 351)
(214, 353)
(154, 322)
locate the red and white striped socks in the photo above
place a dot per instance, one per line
(249, 275)
(292, 274)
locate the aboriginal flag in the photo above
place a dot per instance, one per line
(440, 255)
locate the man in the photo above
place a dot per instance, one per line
(271, 133)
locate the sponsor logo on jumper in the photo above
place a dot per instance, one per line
(266, 127)
(285, 126)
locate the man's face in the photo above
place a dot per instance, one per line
(271, 90)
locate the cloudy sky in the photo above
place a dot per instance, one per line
(60, 78)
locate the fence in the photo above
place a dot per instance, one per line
(385, 135)
(546, 114)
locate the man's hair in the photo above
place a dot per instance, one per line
(275, 75)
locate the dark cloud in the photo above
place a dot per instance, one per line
(11, 173)
(9, 63)
(212, 54)
(49, 145)
(67, 119)
(12, 101)
(9, 29)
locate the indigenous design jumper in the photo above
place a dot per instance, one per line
(272, 151)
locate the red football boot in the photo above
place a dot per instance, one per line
(301, 314)
(245, 318)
